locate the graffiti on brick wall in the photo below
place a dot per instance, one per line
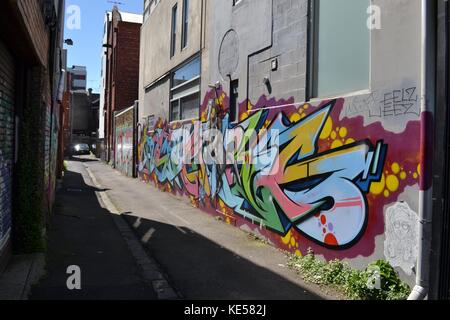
(51, 154)
(6, 161)
(300, 174)
(5, 199)
(124, 143)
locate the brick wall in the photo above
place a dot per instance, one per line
(29, 188)
(127, 73)
(66, 120)
(34, 23)
(31, 192)
(122, 80)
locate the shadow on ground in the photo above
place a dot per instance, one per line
(84, 234)
(201, 269)
(86, 158)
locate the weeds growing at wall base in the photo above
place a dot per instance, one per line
(355, 284)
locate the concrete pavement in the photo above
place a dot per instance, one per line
(21, 273)
(83, 233)
(203, 258)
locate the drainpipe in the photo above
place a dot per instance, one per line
(427, 87)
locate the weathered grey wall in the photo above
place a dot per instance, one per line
(289, 50)
(156, 101)
(251, 22)
(241, 42)
(155, 60)
(277, 29)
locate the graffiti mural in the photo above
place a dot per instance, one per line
(5, 200)
(6, 158)
(124, 127)
(300, 186)
(51, 150)
(298, 173)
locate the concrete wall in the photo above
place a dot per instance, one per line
(101, 129)
(156, 101)
(345, 182)
(156, 32)
(155, 61)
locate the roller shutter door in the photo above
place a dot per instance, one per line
(7, 73)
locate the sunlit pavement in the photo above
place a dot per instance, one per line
(202, 257)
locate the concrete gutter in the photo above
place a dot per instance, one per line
(22, 272)
(151, 272)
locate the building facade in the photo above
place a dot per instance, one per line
(330, 96)
(102, 107)
(78, 78)
(66, 116)
(84, 117)
(171, 60)
(122, 69)
(31, 77)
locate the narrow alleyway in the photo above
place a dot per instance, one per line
(201, 257)
(82, 233)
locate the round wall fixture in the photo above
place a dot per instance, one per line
(229, 54)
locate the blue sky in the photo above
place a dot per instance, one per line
(87, 47)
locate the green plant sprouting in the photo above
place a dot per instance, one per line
(355, 284)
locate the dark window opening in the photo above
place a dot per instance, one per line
(173, 36)
(184, 35)
(234, 100)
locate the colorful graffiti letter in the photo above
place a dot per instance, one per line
(322, 195)
(275, 176)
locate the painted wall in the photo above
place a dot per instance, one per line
(124, 133)
(155, 60)
(51, 133)
(101, 128)
(340, 175)
(7, 92)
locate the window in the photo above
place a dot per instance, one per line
(185, 91)
(184, 34)
(173, 36)
(186, 73)
(234, 100)
(341, 47)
